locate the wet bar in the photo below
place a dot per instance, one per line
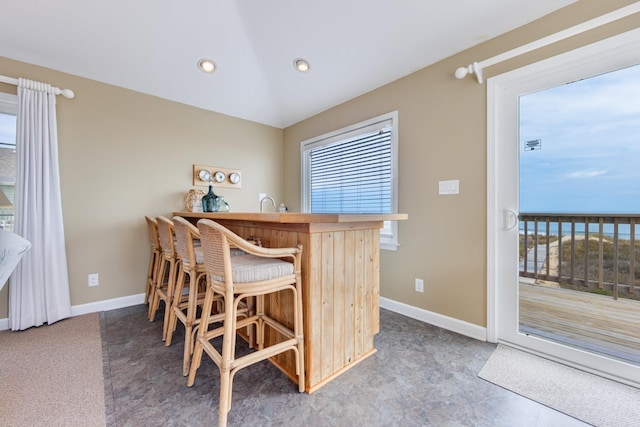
(341, 283)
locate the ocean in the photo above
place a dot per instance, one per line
(624, 230)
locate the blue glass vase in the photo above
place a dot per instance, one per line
(210, 201)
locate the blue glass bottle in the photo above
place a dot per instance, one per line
(210, 201)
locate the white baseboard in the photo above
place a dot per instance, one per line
(92, 307)
(445, 322)
(455, 325)
(106, 305)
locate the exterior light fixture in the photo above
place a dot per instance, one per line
(301, 65)
(206, 65)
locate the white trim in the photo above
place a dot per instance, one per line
(449, 323)
(106, 305)
(340, 134)
(93, 307)
(388, 245)
(492, 267)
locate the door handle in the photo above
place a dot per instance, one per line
(510, 219)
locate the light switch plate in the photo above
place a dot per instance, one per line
(449, 187)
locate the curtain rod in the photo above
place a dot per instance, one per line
(67, 93)
(477, 67)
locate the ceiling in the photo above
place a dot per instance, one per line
(353, 46)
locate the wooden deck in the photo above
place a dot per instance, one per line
(595, 322)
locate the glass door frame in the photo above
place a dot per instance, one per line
(502, 194)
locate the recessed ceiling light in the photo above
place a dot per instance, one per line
(206, 65)
(301, 65)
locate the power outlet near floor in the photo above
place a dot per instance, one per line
(94, 279)
(419, 285)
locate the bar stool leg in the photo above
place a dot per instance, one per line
(173, 318)
(192, 306)
(196, 357)
(228, 352)
(170, 290)
(155, 303)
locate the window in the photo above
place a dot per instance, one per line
(8, 111)
(354, 170)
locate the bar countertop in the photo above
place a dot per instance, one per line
(294, 217)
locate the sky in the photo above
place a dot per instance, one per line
(589, 156)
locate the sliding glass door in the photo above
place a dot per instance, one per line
(562, 219)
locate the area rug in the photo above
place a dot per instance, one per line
(53, 375)
(587, 397)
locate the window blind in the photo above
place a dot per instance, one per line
(353, 175)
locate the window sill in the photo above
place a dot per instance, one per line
(389, 246)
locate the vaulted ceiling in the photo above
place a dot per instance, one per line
(353, 46)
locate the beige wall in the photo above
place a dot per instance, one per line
(442, 136)
(124, 155)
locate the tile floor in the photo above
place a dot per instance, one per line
(421, 375)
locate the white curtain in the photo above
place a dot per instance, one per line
(39, 287)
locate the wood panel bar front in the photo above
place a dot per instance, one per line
(341, 284)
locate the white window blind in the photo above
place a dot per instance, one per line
(352, 176)
(353, 171)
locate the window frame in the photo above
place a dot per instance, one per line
(389, 232)
(8, 106)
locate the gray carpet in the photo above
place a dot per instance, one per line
(582, 395)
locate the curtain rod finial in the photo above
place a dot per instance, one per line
(474, 68)
(462, 72)
(67, 93)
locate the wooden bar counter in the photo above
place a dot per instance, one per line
(341, 283)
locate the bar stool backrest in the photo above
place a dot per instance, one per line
(185, 233)
(152, 226)
(216, 250)
(166, 236)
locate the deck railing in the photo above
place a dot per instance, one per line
(592, 252)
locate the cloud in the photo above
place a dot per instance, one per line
(586, 174)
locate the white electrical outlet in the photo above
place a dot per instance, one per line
(261, 196)
(419, 285)
(94, 279)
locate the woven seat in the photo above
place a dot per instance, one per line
(167, 272)
(262, 271)
(154, 260)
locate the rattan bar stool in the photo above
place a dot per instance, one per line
(260, 272)
(192, 265)
(154, 260)
(167, 272)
